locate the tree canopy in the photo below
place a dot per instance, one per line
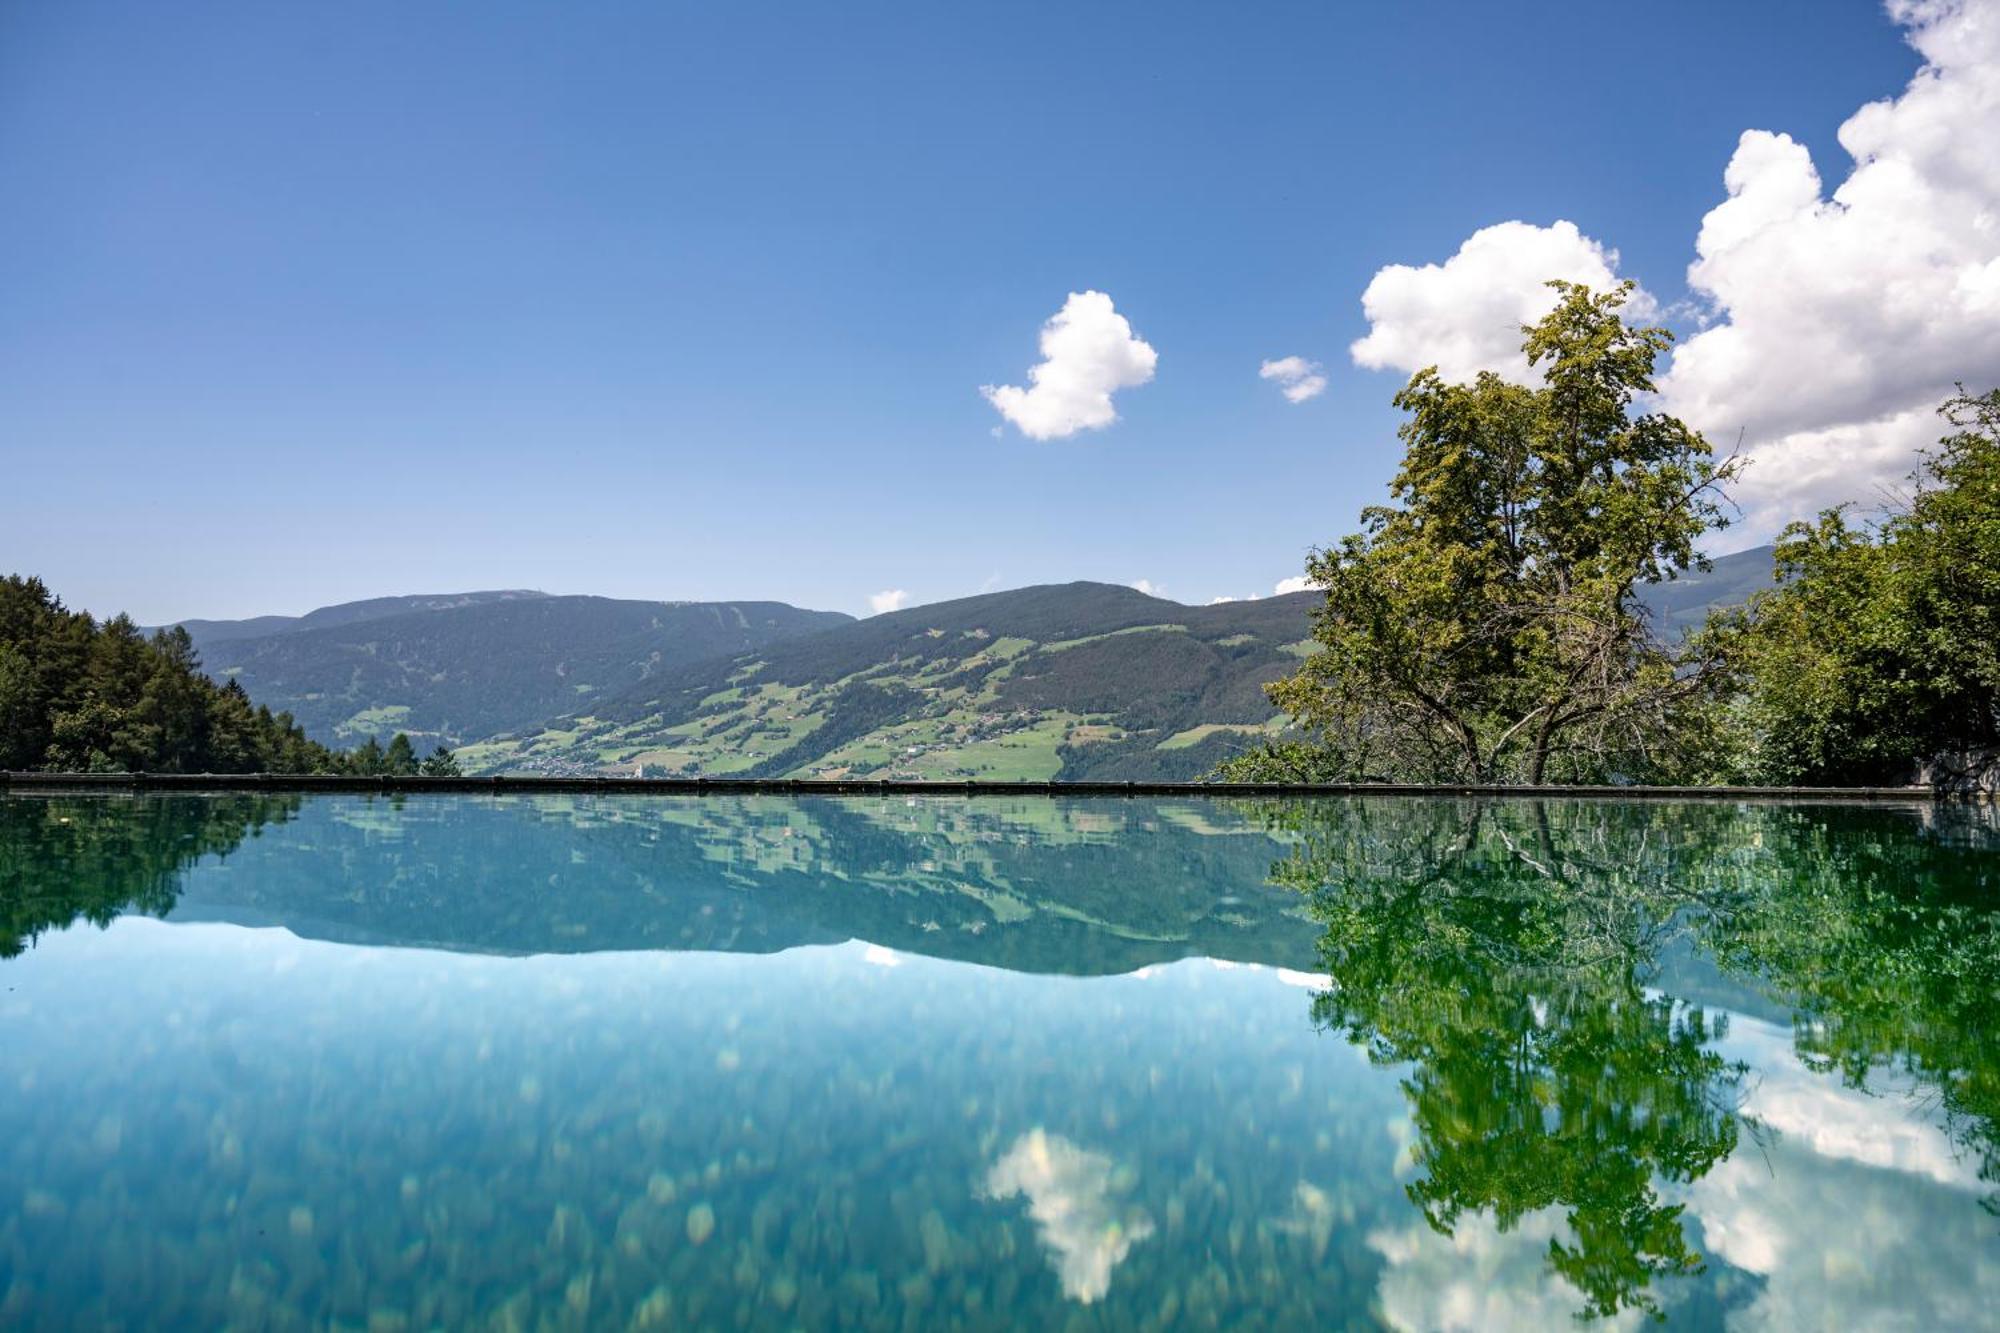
(1484, 625)
(1879, 650)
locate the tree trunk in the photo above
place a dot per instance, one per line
(1540, 762)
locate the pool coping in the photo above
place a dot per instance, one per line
(529, 784)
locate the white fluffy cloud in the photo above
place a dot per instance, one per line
(889, 599)
(1150, 588)
(1298, 583)
(1089, 352)
(1298, 378)
(1072, 1196)
(1465, 315)
(1840, 322)
(1831, 325)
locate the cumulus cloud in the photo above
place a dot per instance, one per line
(1283, 586)
(1072, 1198)
(1089, 352)
(1150, 588)
(1465, 315)
(1829, 326)
(1839, 322)
(889, 599)
(1892, 1124)
(1298, 379)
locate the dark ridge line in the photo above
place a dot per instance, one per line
(531, 785)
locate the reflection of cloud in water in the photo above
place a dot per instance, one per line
(1480, 1278)
(1844, 1216)
(1069, 1193)
(1846, 1246)
(1889, 1127)
(1856, 1213)
(1311, 1218)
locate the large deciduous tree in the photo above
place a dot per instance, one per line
(1485, 626)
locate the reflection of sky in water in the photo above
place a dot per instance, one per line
(276, 1122)
(210, 1125)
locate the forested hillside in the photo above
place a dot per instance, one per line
(1683, 604)
(483, 662)
(1071, 681)
(1031, 885)
(207, 633)
(1076, 680)
(84, 695)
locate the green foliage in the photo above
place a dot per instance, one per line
(400, 759)
(94, 858)
(397, 759)
(1288, 761)
(1511, 953)
(1487, 625)
(441, 764)
(82, 696)
(1490, 948)
(1880, 649)
(366, 759)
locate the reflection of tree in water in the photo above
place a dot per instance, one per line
(95, 857)
(1473, 944)
(1509, 953)
(1881, 929)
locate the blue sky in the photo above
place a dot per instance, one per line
(306, 303)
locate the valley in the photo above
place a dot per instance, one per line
(1058, 682)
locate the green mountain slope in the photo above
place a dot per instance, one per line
(206, 633)
(1683, 603)
(476, 667)
(1067, 682)
(1074, 680)
(1030, 885)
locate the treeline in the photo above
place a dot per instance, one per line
(1485, 626)
(1878, 654)
(80, 695)
(68, 858)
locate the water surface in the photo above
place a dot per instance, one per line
(632, 1062)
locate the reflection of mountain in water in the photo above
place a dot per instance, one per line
(1033, 885)
(1570, 993)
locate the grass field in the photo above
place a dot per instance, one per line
(1181, 740)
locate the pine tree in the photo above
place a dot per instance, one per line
(400, 760)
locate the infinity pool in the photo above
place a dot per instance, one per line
(634, 1062)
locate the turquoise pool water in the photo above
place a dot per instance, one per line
(627, 1063)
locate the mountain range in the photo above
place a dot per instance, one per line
(1067, 681)
(454, 668)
